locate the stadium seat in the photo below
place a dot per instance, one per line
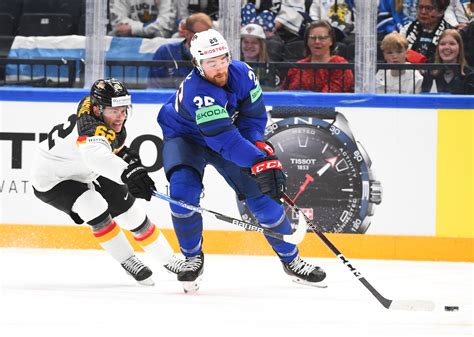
(5, 45)
(81, 26)
(46, 24)
(275, 49)
(7, 24)
(294, 51)
(12, 7)
(350, 52)
(341, 49)
(75, 8)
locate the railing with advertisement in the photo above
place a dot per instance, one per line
(421, 149)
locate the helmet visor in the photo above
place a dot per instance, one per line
(215, 63)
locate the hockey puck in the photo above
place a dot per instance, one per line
(451, 308)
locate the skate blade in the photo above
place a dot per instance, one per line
(148, 282)
(320, 284)
(191, 287)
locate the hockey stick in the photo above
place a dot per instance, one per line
(414, 305)
(296, 237)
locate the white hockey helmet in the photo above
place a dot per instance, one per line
(207, 44)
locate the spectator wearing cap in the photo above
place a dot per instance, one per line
(253, 49)
(320, 44)
(171, 76)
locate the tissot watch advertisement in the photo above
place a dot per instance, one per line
(329, 173)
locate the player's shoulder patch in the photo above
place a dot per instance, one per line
(82, 140)
(244, 81)
(84, 107)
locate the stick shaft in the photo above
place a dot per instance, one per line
(248, 226)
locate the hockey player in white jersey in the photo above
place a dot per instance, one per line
(84, 169)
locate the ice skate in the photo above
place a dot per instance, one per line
(190, 275)
(141, 273)
(303, 272)
(174, 265)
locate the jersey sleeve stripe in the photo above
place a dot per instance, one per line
(81, 140)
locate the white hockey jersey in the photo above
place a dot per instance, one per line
(80, 149)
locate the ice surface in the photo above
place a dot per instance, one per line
(86, 293)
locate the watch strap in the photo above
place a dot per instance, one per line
(287, 111)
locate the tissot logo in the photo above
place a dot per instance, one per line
(303, 161)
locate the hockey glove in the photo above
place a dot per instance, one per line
(270, 178)
(128, 155)
(139, 183)
(266, 147)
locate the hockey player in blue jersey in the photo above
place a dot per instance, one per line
(218, 117)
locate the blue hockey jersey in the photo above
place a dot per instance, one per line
(227, 119)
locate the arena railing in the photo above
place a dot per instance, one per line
(134, 73)
(38, 72)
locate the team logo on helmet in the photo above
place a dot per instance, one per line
(117, 87)
(100, 85)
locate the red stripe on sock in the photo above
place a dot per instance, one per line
(107, 229)
(147, 234)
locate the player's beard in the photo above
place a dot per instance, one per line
(221, 79)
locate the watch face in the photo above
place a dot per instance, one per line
(327, 177)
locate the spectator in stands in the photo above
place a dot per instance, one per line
(170, 77)
(467, 34)
(185, 8)
(423, 34)
(320, 42)
(291, 20)
(145, 18)
(459, 13)
(394, 81)
(254, 49)
(449, 50)
(339, 13)
(262, 13)
(393, 15)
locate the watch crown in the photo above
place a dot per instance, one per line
(375, 195)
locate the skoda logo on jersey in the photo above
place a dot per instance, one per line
(210, 113)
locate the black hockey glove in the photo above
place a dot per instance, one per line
(139, 183)
(128, 155)
(270, 178)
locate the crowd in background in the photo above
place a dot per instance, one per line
(320, 31)
(311, 32)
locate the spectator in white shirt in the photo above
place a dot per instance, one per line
(144, 18)
(395, 81)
